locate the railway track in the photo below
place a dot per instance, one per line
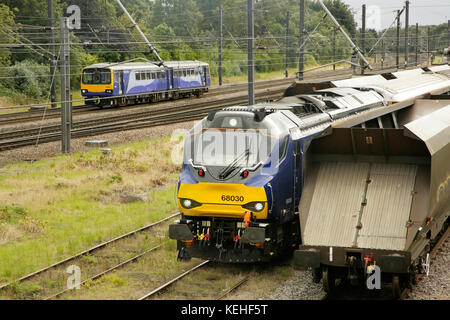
(99, 125)
(209, 287)
(58, 270)
(48, 113)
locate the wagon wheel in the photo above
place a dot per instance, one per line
(328, 279)
(396, 287)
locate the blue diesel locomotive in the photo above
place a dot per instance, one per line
(120, 84)
(242, 176)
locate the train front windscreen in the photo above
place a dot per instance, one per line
(96, 76)
(229, 141)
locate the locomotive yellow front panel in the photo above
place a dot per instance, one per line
(222, 200)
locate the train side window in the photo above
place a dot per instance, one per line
(163, 75)
(153, 75)
(283, 148)
(158, 74)
(148, 76)
(138, 76)
(184, 73)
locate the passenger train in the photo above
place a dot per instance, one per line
(131, 82)
(244, 168)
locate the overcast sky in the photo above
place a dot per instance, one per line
(380, 12)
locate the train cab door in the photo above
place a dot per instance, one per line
(205, 76)
(170, 78)
(285, 182)
(121, 83)
(297, 174)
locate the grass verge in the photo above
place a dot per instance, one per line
(56, 207)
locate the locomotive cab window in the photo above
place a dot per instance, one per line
(283, 148)
(96, 76)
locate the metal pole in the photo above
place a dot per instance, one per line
(383, 57)
(220, 44)
(286, 72)
(250, 58)
(406, 33)
(352, 44)
(152, 48)
(334, 48)
(448, 34)
(397, 58)
(428, 45)
(51, 23)
(363, 35)
(301, 57)
(66, 101)
(417, 43)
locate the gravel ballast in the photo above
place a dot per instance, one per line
(435, 286)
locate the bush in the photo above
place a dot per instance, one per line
(28, 78)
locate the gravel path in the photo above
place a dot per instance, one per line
(435, 286)
(299, 287)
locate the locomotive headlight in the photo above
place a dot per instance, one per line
(84, 91)
(255, 206)
(189, 203)
(108, 91)
(259, 206)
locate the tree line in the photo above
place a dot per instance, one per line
(179, 29)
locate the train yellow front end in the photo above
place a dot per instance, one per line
(222, 200)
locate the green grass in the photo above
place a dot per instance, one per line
(59, 206)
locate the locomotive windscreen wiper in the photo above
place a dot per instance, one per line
(233, 165)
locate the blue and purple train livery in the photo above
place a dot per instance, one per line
(119, 84)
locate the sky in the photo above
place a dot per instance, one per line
(380, 13)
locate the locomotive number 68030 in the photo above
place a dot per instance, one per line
(232, 198)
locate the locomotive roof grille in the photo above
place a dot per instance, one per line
(260, 113)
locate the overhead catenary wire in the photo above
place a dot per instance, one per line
(196, 45)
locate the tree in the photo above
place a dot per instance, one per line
(7, 27)
(341, 11)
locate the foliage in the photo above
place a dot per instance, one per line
(187, 29)
(29, 78)
(7, 27)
